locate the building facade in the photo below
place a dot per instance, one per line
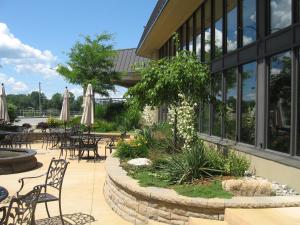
(253, 50)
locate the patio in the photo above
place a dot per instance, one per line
(81, 195)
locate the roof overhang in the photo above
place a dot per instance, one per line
(172, 16)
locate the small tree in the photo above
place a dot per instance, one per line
(91, 62)
(163, 81)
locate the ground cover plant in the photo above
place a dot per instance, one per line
(197, 172)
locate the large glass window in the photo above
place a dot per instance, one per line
(190, 30)
(279, 119)
(218, 28)
(198, 33)
(217, 105)
(280, 14)
(249, 21)
(205, 118)
(207, 30)
(231, 25)
(183, 37)
(248, 106)
(298, 132)
(230, 109)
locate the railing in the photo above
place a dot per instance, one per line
(55, 113)
(105, 101)
(45, 113)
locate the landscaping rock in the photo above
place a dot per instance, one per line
(139, 162)
(248, 187)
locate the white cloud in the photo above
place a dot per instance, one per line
(22, 57)
(77, 91)
(16, 86)
(281, 13)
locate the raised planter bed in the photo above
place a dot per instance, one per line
(141, 204)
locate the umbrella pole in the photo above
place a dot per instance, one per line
(65, 126)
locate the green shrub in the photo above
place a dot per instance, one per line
(100, 111)
(104, 126)
(12, 112)
(190, 165)
(53, 123)
(131, 149)
(236, 164)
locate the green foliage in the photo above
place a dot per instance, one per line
(53, 123)
(104, 126)
(190, 165)
(158, 138)
(12, 112)
(212, 190)
(91, 61)
(146, 176)
(31, 100)
(151, 177)
(236, 164)
(163, 80)
(132, 149)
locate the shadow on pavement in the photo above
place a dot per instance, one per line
(69, 219)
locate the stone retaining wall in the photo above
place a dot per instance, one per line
(141, 204)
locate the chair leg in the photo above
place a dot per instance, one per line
(60, 212)
(46, 204)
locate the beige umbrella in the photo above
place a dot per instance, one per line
(4, 118)
(88, 111)
(65, 113)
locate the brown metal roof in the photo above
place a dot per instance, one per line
(125, 60)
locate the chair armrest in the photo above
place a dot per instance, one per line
(27, 178)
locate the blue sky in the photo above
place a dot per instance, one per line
(35, 35)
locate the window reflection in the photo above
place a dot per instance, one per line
(205, 118)
(218, 28)
(183, 38)
(279, 120)
(190, 30)
(280, 14)
(198, 33)
(231, 24)
(207, 30)
(230, 109)
(248, 106)
(217, 105)
(249, 21)
(298, 147)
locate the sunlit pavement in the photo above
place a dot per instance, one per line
(82, 195)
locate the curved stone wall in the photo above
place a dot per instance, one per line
(141, 204)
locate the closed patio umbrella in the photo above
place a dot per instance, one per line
(88, 111)
(4, 118)
(65, 113)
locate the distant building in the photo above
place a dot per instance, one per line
(124, 63)
(252, 47)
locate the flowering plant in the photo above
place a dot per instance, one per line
(182, 117)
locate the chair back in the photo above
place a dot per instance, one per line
(21, 209)
(56, 173)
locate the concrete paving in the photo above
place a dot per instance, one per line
(82, 198)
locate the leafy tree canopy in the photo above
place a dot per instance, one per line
(91, 62)
(163, 80)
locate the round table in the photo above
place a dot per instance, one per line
(3, 193)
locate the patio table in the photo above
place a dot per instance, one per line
(3, 193)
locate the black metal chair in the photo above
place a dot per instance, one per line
(22, 138)
(110, 145)
(88, 143)
(7, 141)
(21, 209)
(54, 180)
(67, 144)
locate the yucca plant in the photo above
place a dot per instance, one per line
(190, 165)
